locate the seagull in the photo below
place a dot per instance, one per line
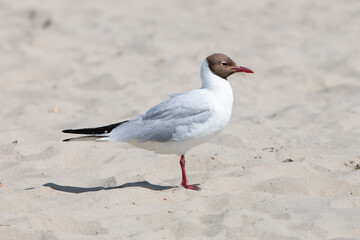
(181, 122)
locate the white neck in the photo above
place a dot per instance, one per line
(217, 85)
(210, 80)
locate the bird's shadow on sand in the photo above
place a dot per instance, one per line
(72, 189)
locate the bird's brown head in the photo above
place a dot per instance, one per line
(223, 66)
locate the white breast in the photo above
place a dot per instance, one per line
(222, 93)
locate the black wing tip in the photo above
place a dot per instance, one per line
(93, 131)
(80, 131)
(67, 130)
(67, 140)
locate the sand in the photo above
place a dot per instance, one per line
(286, 166)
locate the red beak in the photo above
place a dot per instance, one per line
(243, 69)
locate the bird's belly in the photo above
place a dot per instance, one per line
(182, 143)
(179, 147)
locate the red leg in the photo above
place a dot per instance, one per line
(184, 181)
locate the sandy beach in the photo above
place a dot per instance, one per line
(286, 167)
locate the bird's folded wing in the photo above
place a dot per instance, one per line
(179, 106)
(181, 113)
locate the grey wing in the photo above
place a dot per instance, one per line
(181, 112)
(178, 106)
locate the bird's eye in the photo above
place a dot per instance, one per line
(223, 63)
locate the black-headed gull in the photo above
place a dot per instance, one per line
(183, 121)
